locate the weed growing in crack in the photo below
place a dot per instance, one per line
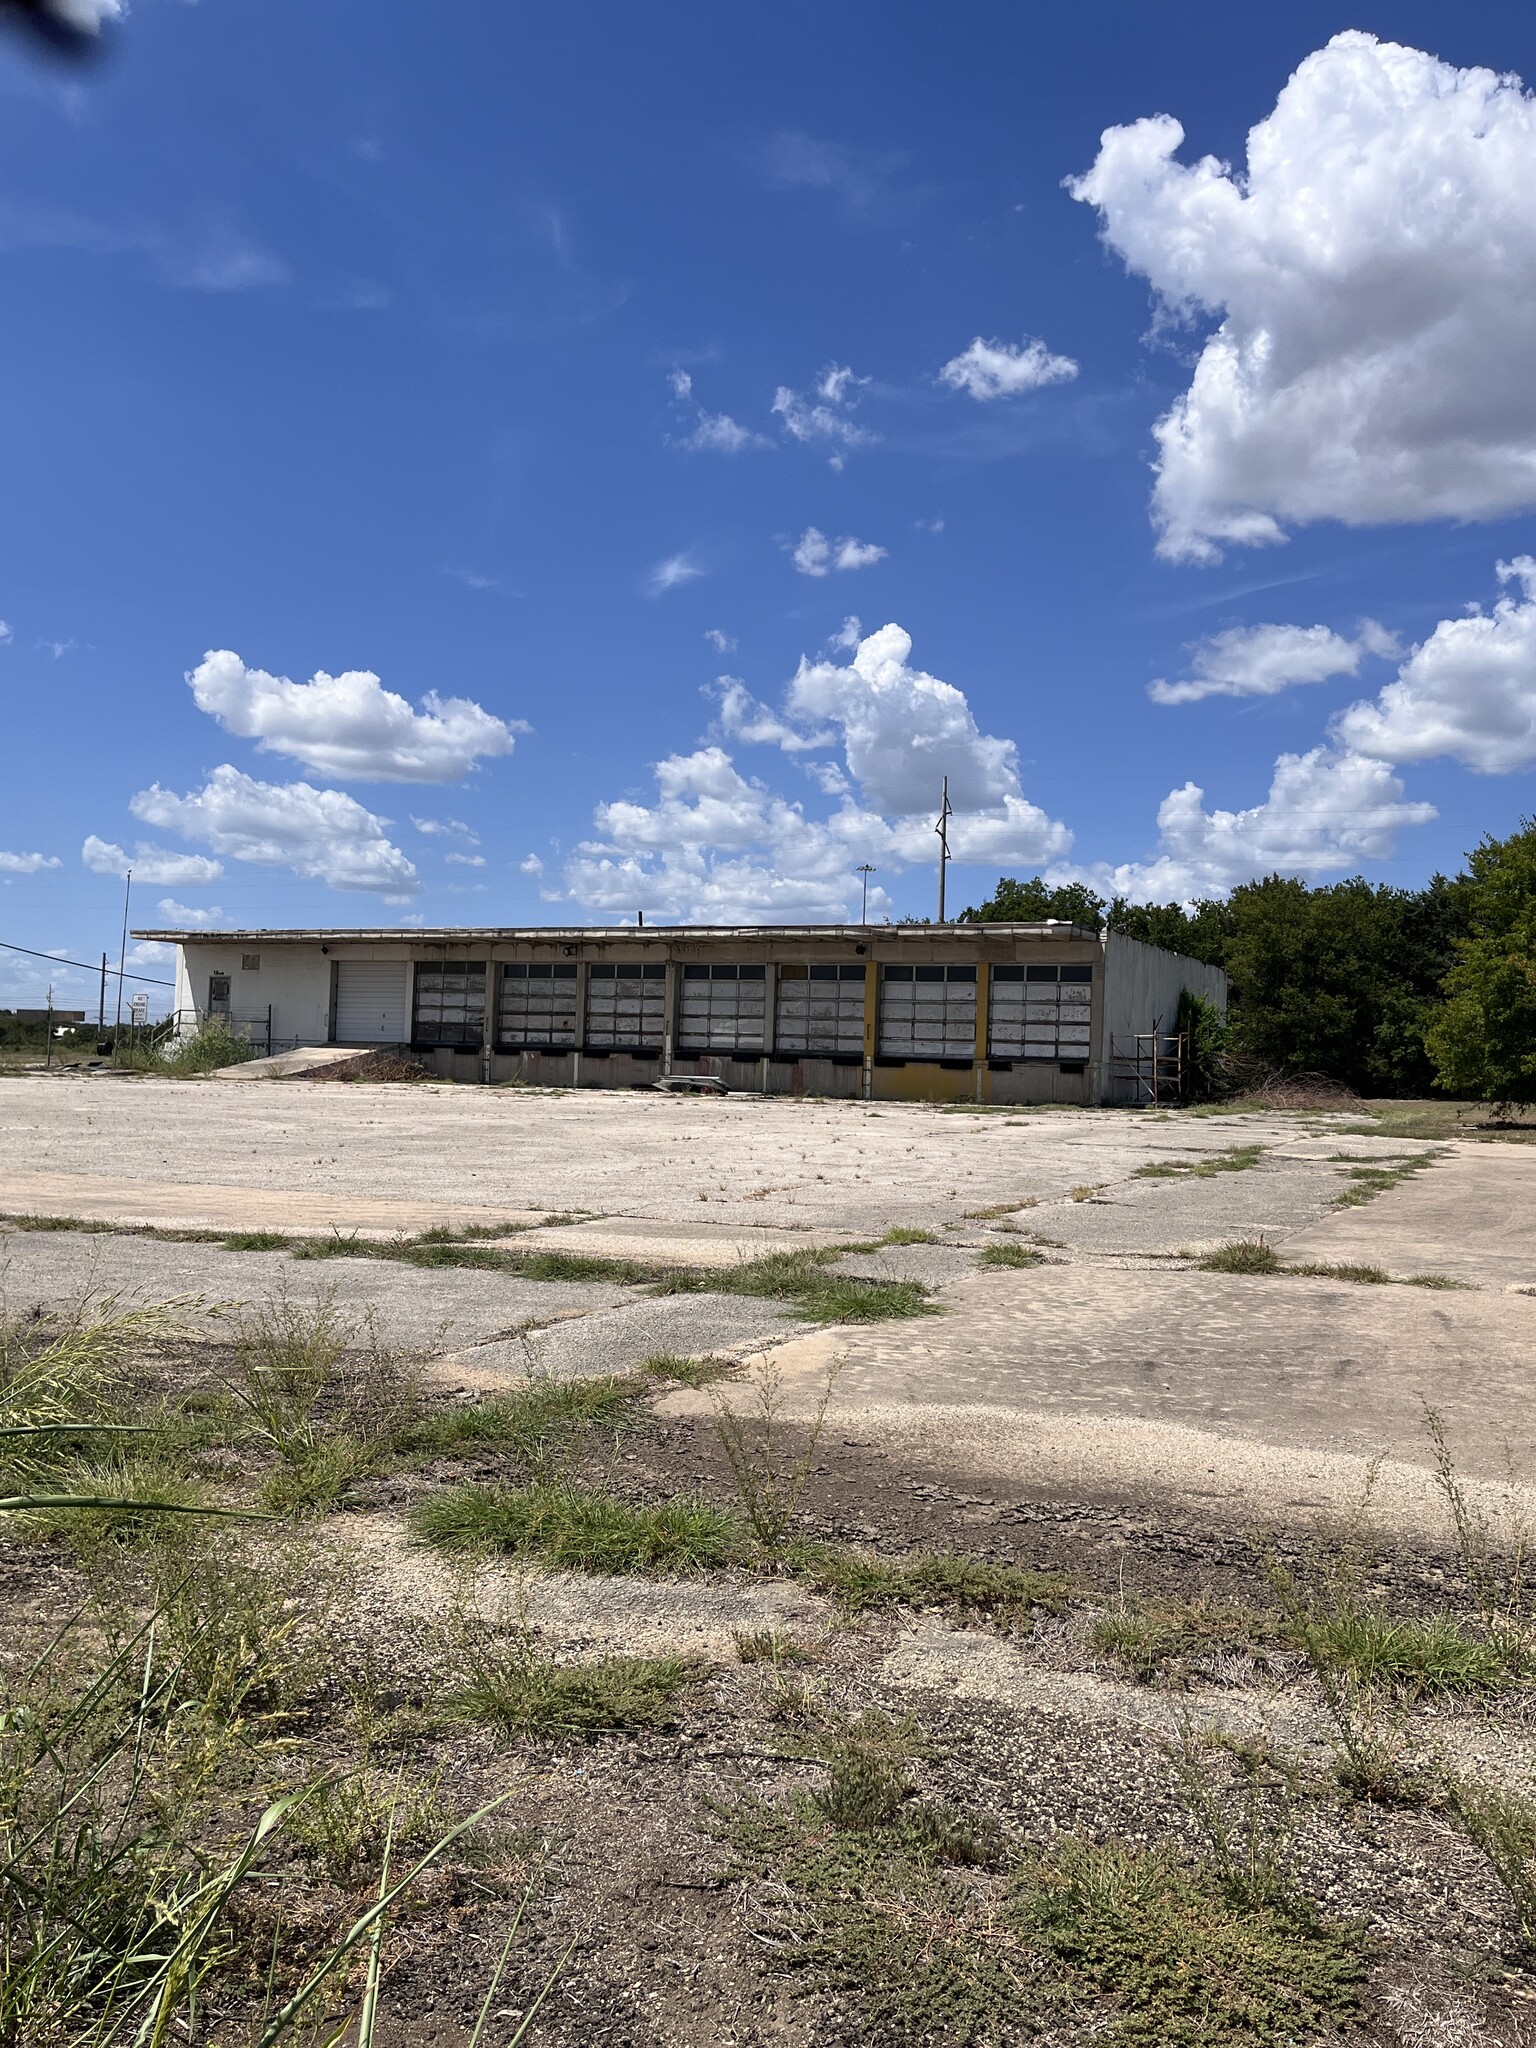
(771, 1472)
(1167, 1640)
(861, 1581)
(503, 1678)
(687, 1372)
(771, 1646)
(1009, 1255)
(1241, 1255)
(1502, 1824)
(561, 1523)
(531, 1420)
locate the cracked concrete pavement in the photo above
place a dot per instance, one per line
(1114, 1370)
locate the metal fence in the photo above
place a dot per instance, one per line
(181, 1025)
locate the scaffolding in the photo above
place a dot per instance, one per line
(1149, 1068)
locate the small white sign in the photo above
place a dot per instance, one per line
(138, 1009)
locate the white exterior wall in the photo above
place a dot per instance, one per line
(295, 980)
(1142, 986)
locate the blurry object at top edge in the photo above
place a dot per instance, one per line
(70, 28)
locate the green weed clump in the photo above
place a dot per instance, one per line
(861, 1581)
(687, 1372)
(529, 1420)
(1236, 1159)
(1183, 1958)
(563, 1524)
(1364, 1276)
(1167, 1639)
(509, 1683)
(802, 1280)
(1242, 1255)
(1009, 1255)
(1412, 1658)
(1377, 1176)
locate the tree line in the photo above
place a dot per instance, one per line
(1389, 991)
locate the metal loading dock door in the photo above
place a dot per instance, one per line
(723, 1010)
(370, 1002)
(928, 1013)
(821, 1010)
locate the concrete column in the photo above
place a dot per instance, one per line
(871, 1024)
(983, 1003)
(488, 1021)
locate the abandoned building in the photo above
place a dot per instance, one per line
(965, 1012)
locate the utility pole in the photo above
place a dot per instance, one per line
(864, 871)
(101, 1005)
(122, 958)
(942, 828)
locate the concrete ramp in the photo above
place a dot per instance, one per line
(298, 1064)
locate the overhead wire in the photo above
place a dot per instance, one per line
(88, 966)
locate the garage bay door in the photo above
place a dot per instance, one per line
(370, 1002)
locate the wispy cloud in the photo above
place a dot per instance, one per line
(670, 574)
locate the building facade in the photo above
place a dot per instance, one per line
(960, 1013)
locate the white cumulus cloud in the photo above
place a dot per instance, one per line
(27, 863)
(349, 725)
(1326, 811)
(1468, 692)
(814, 555)
(1261, 661)
(321, 834)
(183, 913)
(1373, 271)
(1004, 369)
(720, 846)
(149, 863)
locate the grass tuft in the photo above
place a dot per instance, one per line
(861, 1581)
(1166, 1639)
(1412, 1658)
(1242, 1255)
(1009, 1255)
(527, 1421)
(564, 1524)
(802, 1279)
(770, 1646)
(512, 1685)
(687, 1372)
(1366, 1276)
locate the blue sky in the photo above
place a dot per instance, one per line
(563, 363)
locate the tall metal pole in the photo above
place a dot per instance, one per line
(101, 1001)
(942, 828)
(864, 871)
(122, 956)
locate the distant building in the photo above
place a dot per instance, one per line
(952, 1013)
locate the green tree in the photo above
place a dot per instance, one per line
(1483, 1041)
(1034, 901)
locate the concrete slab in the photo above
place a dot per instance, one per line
(1245, 1396)
(110, 1198)
(1472, 1217)
(848, 1168)
(619, 1337)
(416, 1309)
(668, 1244)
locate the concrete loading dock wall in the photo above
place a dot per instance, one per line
(974, 1013)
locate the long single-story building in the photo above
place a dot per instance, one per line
(964, 1012)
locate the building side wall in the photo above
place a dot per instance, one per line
(294, 980)
(1142, 987)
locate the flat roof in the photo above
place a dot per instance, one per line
(515, 934)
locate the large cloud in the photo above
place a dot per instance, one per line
(27, 863)
(1375, 274)
(348, 725)
(1469, 691)
(1326, 811)
(321, 834)
(1261, 661)
(149, 863)
(719, 846)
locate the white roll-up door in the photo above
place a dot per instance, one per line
(370, 1002)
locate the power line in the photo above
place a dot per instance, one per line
(90, 967)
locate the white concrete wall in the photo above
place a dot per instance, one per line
(1142, 986)
(295, 980)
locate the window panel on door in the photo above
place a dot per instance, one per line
(1040, 1012)
(450, 1004)
(626, 1006)
(538, 1004)
(820, 1009)
(723, 1010)
(928, 1013)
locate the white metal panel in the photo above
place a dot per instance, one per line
(371, 1002)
